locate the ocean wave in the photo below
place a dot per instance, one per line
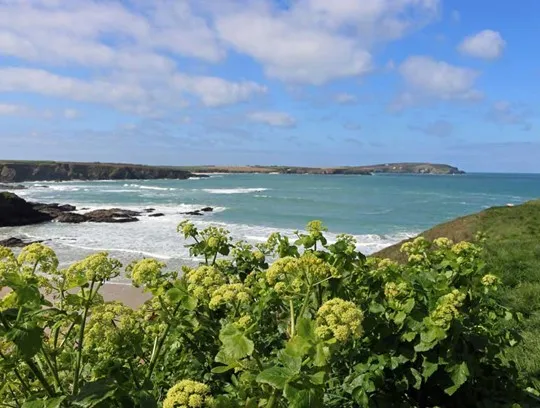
(150, 187)
(234, 190)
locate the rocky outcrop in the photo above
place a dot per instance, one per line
(16, 243)
(39, 171)
(15, 211)
(12, 187)
(198, 212)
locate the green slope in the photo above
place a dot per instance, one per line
(512, 253)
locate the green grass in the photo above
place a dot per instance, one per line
(513, 254)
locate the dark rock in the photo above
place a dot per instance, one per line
(16, 211)
(112, 215)
(12, 187)
(207, 209)
(192, 213)
(156, 215)
(54, 209)
(149, 210)
(71, 218)
(16, 243)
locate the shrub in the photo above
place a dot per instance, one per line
(320, 326)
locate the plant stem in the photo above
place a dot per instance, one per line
(157, 349)
(306, 300)
(52, 368)
(291, 307)
(18, 375)
(81, 340)
(39, 375)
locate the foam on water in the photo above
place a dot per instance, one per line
(234, 190)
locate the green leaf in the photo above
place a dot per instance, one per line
(298, 346)
(277, 377)
(222, 369)
(48, 403)
(27, 338)
(409, 336)
(291, 362)
(235, 343)
(94, 393)
(459, 374)
(417, 378)
(317, 378)
(306, 328)
(376, 308)
(428, 369)
(303, 398)
(322, 354)
(174, 294)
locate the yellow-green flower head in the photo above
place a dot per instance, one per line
(8, 264)
(204, 280)
(189, 394)
(386, 263)
(419, 244)
(415, 258)
(317, 267)
(259, 256)
(112, 327)
(490, 280)
(340, 319)
(6, 254)
(187, 228)
(463, 247)
(243, 322)
(40, 256)
(97, 267)
(447, 308)
(394, 290)
(228, 294)
(148, 273)
(316, 227)
(213, 243)
(443, 243)
(280, 268)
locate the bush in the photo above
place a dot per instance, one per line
(321, 326)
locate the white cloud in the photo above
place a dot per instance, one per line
(277, 119)
(345, 99)
(7, 109)
(70, 113)
(426, 78)
(506, 113)
(315, 41)
(487, 44)
(214, 91)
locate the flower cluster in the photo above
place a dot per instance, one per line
(416, 246)
(147, 273)
(340, 319)
(291, 274)
(415, 258)
(243, 322)
(394, 290)
(8, 264)
(490, 280)
(97, 267)
(443, 243)
(447, 308)
(37, 254)
(112, 327)
(463, 247)
(187, 228)
(188, 394)
(203, 281)
(229, 293)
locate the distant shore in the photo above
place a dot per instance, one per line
(21, 171)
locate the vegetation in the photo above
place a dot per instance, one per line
(512, 252)
(321, 326)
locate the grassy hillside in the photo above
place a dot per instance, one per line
(512, 253)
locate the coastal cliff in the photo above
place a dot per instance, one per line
(401, 168)
(62, 171)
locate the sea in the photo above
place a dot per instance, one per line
(379, 210)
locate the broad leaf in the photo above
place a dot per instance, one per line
(94, 393)
(459, 374)
(277, 377)
(235, 343)
(27, 338)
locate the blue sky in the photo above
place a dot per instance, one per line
(298, 82)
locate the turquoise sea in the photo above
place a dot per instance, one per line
(379, 210)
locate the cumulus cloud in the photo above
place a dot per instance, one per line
(438, 128)
(277, 119)
(7, 109)
(487, 44)
(426, 78)
(315, 41)
(505, 113)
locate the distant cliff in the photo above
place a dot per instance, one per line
(405, 168)
(40, 171)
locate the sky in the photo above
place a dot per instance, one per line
(288, 82)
